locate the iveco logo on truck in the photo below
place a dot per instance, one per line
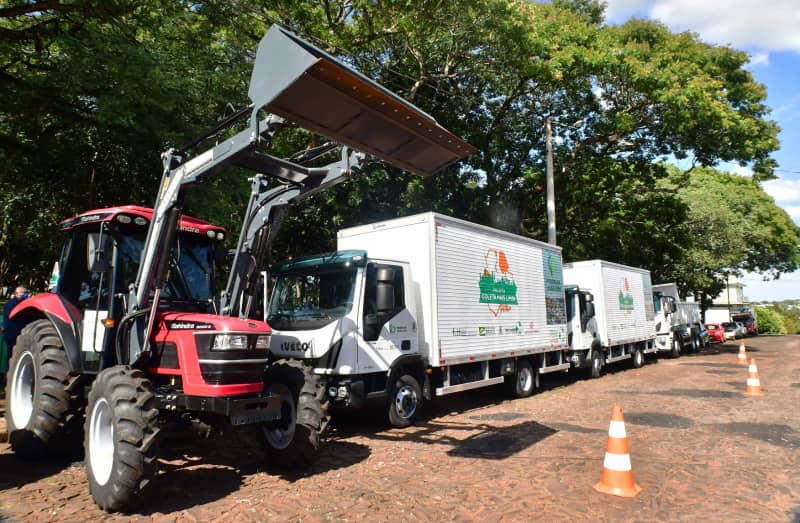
(297, 346)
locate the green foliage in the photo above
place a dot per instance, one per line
(731, 225)
(92, 92)
(770, 321)
(790, 315)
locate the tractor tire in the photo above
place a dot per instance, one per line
(121, 437)
(43, 414)
(524, 380)
(293, 441)
(405, 401)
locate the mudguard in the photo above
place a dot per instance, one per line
(64, 316)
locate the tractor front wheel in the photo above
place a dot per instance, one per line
(121, 441)
(293, 441)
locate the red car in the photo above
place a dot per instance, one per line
(716, 332)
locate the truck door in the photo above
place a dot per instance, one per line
(389, 327)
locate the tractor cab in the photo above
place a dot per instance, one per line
(100, 260)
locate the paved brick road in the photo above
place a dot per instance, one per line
(701, 451)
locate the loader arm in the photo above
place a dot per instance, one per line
(291, 81)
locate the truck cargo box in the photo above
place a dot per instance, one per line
(483, 293)
(623, 299)
(687, 312)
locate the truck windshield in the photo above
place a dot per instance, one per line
(309, 300)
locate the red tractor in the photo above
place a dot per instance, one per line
(72, 360)
(133, 337)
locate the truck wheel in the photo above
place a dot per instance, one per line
(524, 381)
(293, 441)
(676, 348)
(121, 441)
(637, 357)
(43, 414)
(405, 401)
(596, 370)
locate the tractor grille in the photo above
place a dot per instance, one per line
(230, 373)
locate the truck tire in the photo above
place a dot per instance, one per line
(121, 442)
(293, 441)
(405, 401)
(637, 357)
(596, 370)
(42, 413)
(676, 348)
(524, 380)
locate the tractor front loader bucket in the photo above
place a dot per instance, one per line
(305, 85)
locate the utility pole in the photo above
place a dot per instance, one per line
(551, 192)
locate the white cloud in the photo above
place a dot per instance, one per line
(767, 25)
(742, 171)
(783, 190)
(793, 211)
(785, 288)
(757, 59)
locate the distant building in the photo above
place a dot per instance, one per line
(730, 304)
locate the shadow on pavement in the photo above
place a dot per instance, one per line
(16, 472)
(697, 393)
(775, 434)
(182, 489)
(658, 419)
(712, 364)
(480, 440)
(503, 442)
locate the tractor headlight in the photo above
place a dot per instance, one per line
(262, 342)
(240, 342)
(230, 342)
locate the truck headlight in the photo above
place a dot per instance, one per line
(230, 342)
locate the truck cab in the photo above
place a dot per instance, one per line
(581, 325)
(350, 317)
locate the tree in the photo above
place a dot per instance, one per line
(731, 226)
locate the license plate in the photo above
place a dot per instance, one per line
(253, 417)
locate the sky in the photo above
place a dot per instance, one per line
(769, 31)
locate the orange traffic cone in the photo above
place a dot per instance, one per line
(617, 478)
(741, 359)
(753, 387)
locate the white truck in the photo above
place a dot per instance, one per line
(610, 314)
(422, 306)
(679, 326)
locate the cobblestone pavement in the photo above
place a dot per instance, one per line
(701, 451)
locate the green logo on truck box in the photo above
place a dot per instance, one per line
(553, 288)
(497, 285)
(625, 298)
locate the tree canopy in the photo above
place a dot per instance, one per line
(93, 92)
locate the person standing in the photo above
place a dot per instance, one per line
(11, 327)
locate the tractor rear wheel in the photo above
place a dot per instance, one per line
(293, 441)
(43, 413)
(121, 442)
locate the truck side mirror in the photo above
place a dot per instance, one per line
(672, 306)
(98, 252)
